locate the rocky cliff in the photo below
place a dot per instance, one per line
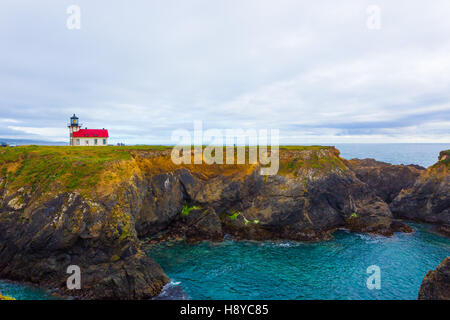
(62, 207)
(313, 194)
(436, 284)
(385, 179)
(427, 200)
(90, 207)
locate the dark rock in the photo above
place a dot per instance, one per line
(399, 226)
(38, 243)
(428, 199)
(385, 179)
(197, 225)
(443, 230)
(436, 283)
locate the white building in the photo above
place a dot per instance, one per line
(86, 137)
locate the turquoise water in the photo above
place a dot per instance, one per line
(23, 292)
(290, 270)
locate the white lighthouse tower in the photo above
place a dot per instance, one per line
(74, 126)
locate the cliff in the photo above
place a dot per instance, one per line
(436, 284)
(61, 207)
(90, 207)
(427, 200)
(385, 179)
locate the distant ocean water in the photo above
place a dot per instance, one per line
(423, 154)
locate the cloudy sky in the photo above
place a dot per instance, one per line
(312, 69)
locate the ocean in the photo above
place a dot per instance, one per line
(335, 269)
(423, 154)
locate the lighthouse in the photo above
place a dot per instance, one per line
(86, 137)
(73, 126)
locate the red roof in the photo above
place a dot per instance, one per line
(91, 133)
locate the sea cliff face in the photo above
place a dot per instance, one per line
(62, 207)
(313, 194)
(428, 200)
(436, 283)
(385, 179)
(90, 207)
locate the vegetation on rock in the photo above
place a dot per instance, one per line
(6, 297)
(187, 209)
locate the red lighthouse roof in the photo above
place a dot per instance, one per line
(91, 133)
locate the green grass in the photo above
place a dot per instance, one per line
(71, 167)
(234, 215)
(304, 148)
(66, 168)
(319, 161)
(187, 210)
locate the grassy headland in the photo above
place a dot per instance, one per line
(65, 169)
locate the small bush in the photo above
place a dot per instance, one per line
(187, 210)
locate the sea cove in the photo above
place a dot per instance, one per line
(333, 269)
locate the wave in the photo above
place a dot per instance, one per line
(172, 291)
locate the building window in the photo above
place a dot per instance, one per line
(104, 141)
(77, 142)
(95, 141)
(87, 142)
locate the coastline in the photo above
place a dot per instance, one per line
(333, 192)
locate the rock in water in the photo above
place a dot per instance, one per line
(436, 284)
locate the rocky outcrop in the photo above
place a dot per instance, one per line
(385, 179)
(427, 200)
(39, 243)
(314, 194)
(436, 284)
(412, 192)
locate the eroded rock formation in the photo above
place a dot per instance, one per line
(436, 284)
(428, 200)
(385, 179)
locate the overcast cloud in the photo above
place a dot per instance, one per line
(309, 68)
